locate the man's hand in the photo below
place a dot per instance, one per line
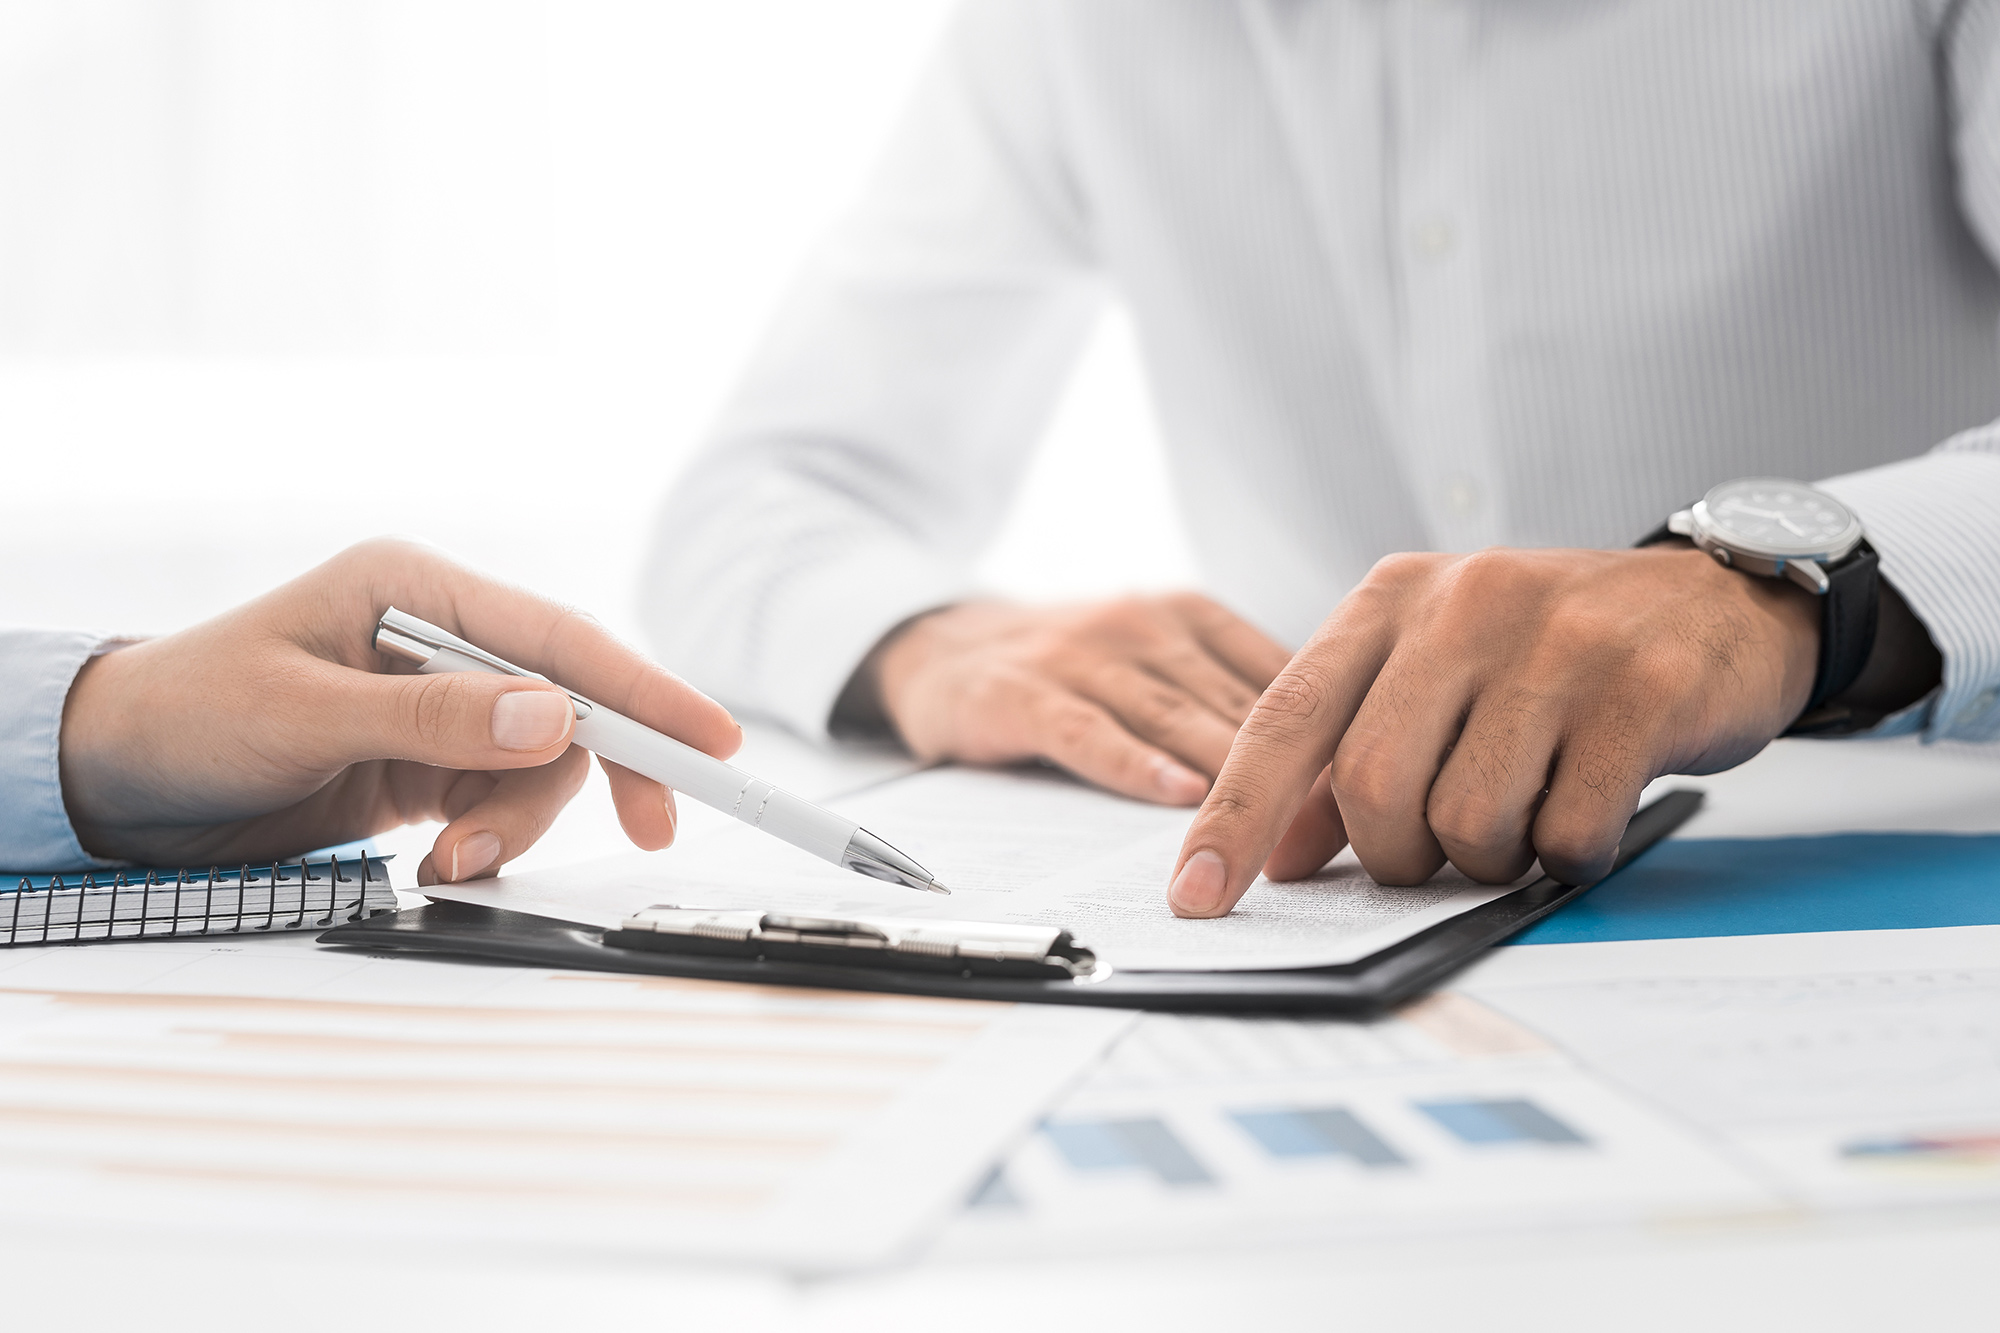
(1494, 708)
(1142, 696)
(278, 728)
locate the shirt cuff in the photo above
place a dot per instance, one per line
(832, 613)
(1935, 522)
(37, 668)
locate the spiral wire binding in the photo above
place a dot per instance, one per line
(201, 904)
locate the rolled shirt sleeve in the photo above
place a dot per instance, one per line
(1935, 521)
(36, 670)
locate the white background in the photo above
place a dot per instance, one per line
(279, 274)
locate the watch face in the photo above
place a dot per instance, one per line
(1770, 514)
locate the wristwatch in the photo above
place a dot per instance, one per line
(1774, 528)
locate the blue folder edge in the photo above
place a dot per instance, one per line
(1691, 888)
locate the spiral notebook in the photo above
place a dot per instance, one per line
(83, 908)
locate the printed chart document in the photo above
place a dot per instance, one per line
(1853, 1068)
(1209, 1133)
(1658, 1086)
(264, 1085)
(1029, 848)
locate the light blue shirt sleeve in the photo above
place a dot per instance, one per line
(36, 669)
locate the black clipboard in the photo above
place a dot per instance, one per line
(1381, 981)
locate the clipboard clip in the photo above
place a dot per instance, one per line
(968, 948)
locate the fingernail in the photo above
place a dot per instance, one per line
(1198, 888)
(474, 852)
(1179, 785)
(530, 719)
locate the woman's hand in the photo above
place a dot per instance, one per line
(277, 728)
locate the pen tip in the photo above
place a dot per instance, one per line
(936, 887)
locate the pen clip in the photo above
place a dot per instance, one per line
(403, 635)
(419, 641)
(400, 634)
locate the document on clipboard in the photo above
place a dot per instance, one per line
(1028, 849)
(1029, 856)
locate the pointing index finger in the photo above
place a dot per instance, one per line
(1289, 738)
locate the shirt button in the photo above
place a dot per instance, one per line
(1461, 496)
(1434, 239)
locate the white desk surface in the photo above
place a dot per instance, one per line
(1783, 1273)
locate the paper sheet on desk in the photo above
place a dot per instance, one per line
(256, 1084)
(1014, 847)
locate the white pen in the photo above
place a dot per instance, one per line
(665, 760)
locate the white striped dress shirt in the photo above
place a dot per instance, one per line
(1407, 275)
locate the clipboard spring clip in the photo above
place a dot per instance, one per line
(901, 944)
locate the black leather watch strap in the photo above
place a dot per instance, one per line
(1847, 619)
(1660, 534)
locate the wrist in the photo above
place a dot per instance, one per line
(861, 712)
(1787, 616)
(88, 753)
(1792, 619)
(1780, 529)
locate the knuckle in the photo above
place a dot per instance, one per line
(391, 554)
(1229, 812)
(1162, 709)
(1581, 625)
(571, 623)
(1399, 569)
(1180, 659)
(1130, 618)
(1495, 578)
(1362, 782)
(435, 705)
(1002, 695)
(1072, 726)
(1467, 823)
(1613, 758)
(1295, 700)
(1568, 845)
(1193, 607)
(1500, 747)
(570, 614)
(1054, 659)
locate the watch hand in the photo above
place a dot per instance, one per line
(1792, 527)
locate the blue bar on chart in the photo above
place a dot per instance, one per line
(1108, 1145)
(1331, 1131)
(1511, 1121)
